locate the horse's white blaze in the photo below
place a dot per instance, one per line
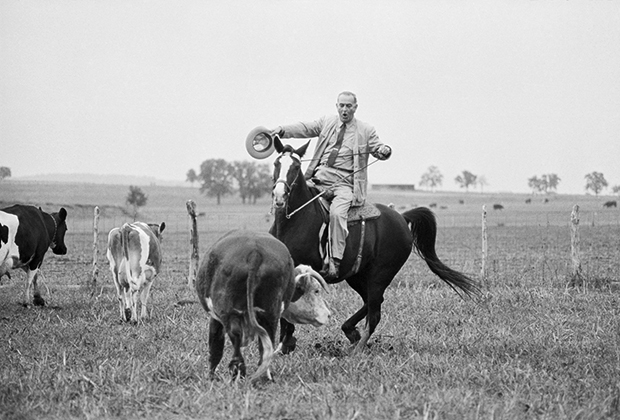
(279, 190)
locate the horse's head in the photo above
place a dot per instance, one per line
(287, 172)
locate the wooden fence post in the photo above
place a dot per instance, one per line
(95, 247)
(193, 239)
(576, 277)
(485, 245)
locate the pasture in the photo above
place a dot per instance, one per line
(531, 347)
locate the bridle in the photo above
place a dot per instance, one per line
(287, 187)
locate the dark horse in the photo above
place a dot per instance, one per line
(388, 241)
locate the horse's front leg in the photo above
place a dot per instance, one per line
(349, 326)
(287, 341)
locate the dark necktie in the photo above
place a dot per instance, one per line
(334, 152)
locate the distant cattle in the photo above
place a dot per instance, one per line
(246, 282)
(498, 207)
(528, 201)
(134, 253)
(610, 204)
(545, 200)
(432, 205)
(461, 201)
(25, 234)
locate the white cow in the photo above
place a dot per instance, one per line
(134, 254)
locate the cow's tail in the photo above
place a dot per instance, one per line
(423, 226)
(125, 231)
(254, 262)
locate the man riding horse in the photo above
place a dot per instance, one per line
(338, 166)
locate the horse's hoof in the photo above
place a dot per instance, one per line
(354, 336)
(38, 301)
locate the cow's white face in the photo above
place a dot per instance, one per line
(310, 308)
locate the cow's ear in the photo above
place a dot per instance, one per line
(162, 226)
(62, 214)
(300, 287)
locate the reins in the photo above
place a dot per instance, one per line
(288, 216)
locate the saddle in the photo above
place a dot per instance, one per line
(355, 214)
(358, 214)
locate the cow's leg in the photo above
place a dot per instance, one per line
(237, 364)
(133, 293)
(287, 341)
(120, 294)
(270, 324)
(37, 300)
(144, 297)
(127, 303)
(216, 345)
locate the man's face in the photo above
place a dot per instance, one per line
(346, 107)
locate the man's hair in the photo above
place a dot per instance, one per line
(346, 92)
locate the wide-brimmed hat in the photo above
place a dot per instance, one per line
(259, 143)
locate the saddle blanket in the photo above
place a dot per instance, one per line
(365, 212)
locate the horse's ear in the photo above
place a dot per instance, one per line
(302, 150)
(278, 144)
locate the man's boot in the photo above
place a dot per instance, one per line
(334, 269)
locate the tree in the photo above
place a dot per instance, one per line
(4, 172)
(244, 172)
(535, 184)
(261, 183)
(616, 189)
(432, 178)
(191, 177)
(136, 198)
(552, 181)
(466, 180)
(482, 182)
(596, 182)
(544, 184)
(216, 178)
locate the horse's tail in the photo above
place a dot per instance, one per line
(423, 226)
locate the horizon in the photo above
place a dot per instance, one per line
(125, 180)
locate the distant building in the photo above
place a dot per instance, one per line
(398, 187)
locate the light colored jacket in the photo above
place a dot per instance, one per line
(324, 128)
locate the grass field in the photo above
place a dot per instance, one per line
(530, 348)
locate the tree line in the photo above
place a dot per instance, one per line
(218, 178)
(546, 183)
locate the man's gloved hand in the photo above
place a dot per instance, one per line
(278, 131)
(384, 152)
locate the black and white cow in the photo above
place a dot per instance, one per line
(26, 232)
(134, 253)
(246, 282)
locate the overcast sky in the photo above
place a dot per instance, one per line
(503, 89)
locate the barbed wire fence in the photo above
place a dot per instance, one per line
(502, 248)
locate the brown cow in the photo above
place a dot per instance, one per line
(246, 282)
